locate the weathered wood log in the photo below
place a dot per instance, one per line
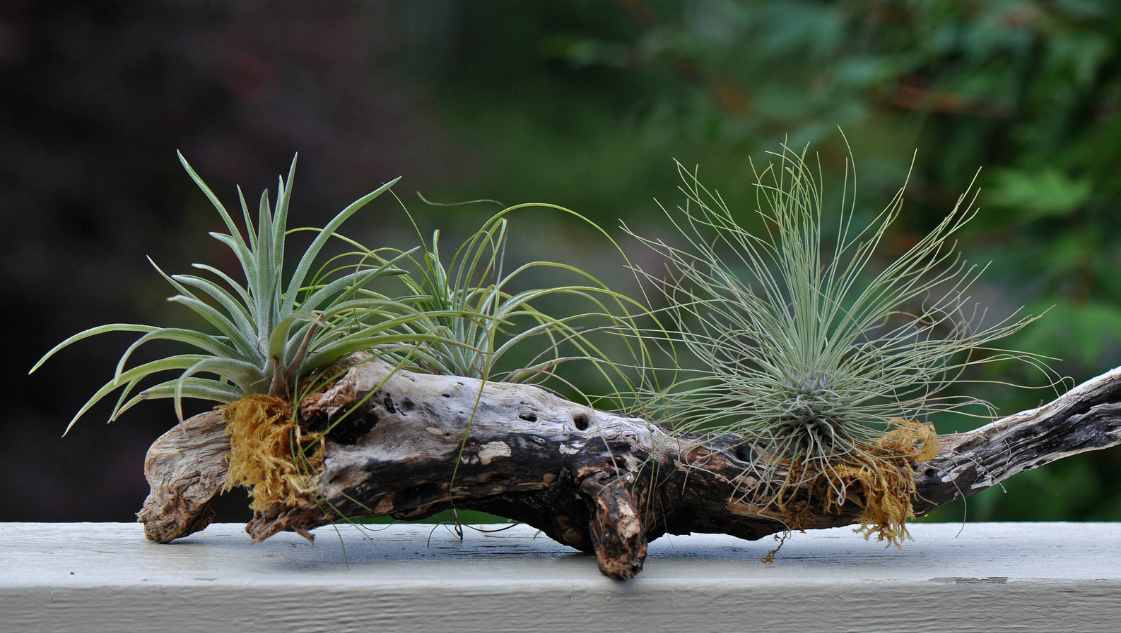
(186, 467)
(1086, 418)
(597, 481)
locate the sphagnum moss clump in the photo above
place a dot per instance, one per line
(820, 368)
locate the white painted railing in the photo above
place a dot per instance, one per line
(990, 577)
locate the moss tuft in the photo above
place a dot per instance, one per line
(878, 478)
(269, 450)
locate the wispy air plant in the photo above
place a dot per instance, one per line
(802, 349)
(269, 334)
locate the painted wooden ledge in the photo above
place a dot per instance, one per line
(990, 577)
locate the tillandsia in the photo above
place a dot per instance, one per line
(482, 317)
(482, 320)
(277, 343)
(273, 341)
(824, 372)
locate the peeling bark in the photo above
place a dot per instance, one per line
(1086, 418)
(597, 481)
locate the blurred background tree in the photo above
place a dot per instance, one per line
(578, 103)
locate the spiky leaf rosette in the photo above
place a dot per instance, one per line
(807, 354)
(268, 334)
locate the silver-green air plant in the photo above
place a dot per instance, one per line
(807, 356)
(267, 335)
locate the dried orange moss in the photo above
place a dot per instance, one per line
(879, 479)
(268, 450)
(887, 480)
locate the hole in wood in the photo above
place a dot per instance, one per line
(743, 453)
(528, 417)
(350, 430)
(581, 422)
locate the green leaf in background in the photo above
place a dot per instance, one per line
(1075, 331)
(1029, 196)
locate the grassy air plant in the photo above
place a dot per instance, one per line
(270, 337)
(471, 319)
(823, 370)
(480, 320)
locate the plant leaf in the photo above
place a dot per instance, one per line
(236, 336)
(235, 234)
(198, 388)
(313, 251)
(284, 195)
(93, 331)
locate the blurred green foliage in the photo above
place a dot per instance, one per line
(584, 103)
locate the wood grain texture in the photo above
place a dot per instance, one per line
(1086, 418)
(977, 578)
(186, 468)
(599, 481)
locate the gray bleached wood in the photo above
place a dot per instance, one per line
(185, 468)
(1086, 418)
(595, 480)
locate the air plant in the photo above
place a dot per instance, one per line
(269, 335)
(476, 319)
(464, 318)
(822, 370)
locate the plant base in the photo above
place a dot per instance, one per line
(269, 450)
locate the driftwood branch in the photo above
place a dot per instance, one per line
(186, 467)
(597, 481)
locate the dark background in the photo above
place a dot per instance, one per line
(583, 104)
